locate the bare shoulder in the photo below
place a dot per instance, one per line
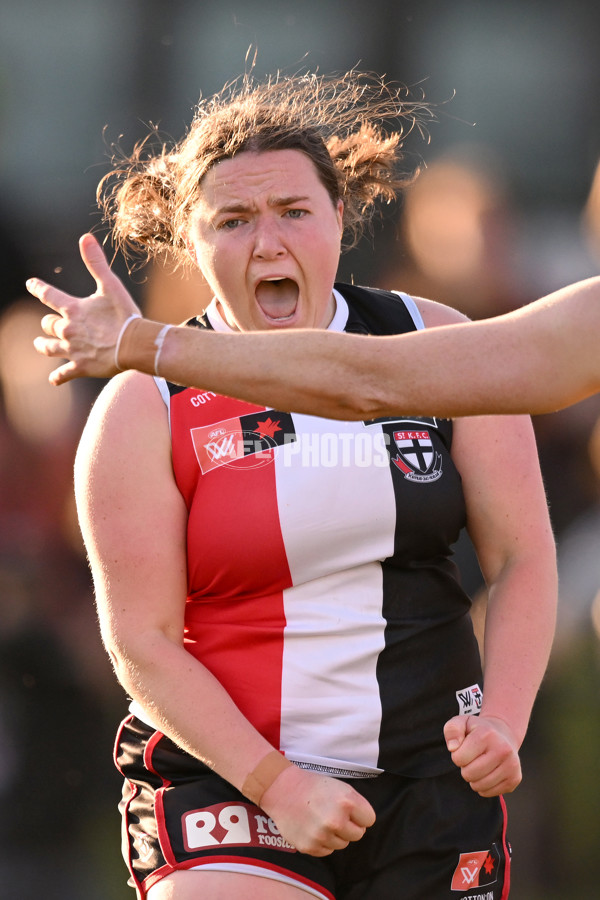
(435, 313)
(128, 413)
(126, 493)
(128, 401)
(126, 393)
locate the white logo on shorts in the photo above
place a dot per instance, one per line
(227, 823)
(469, 700)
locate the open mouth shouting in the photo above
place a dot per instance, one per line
(277, 298)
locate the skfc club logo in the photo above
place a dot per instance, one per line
(417, 458)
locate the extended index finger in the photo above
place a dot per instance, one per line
(50, 296)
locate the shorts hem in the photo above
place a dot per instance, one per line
(242, 865)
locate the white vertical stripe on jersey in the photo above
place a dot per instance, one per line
(337, 523)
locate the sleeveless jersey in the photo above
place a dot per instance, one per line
(321, 591)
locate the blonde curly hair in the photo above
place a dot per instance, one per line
(338, 121)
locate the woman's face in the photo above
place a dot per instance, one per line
(266, 236)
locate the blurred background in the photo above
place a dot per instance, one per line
(506, 209)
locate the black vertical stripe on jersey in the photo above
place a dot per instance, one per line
(428, 633)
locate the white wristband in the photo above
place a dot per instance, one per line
(158, 343)
(120, 338)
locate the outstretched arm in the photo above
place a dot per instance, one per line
(537, 359)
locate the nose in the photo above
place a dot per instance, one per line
(268, 242)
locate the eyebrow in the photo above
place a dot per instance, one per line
(246, 207)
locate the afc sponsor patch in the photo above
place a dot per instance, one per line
(469, 700)
(476, 869)
(243, 442)
(231, 825)
(417, 458)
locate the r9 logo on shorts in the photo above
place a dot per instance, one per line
(213, 826)
(232, 824)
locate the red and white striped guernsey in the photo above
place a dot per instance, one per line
(321, 590)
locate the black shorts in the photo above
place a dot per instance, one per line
(434, 838)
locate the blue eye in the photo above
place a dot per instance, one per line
(296, 213)
(230, 224)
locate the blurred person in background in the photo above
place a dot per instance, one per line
(348, 715)
(54, 689)
(458, 233)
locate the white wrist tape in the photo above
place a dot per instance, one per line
(158, 343)
(120, 338)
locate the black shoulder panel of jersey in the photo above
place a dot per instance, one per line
(199, 322)
(196, 322)
(373, 311)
